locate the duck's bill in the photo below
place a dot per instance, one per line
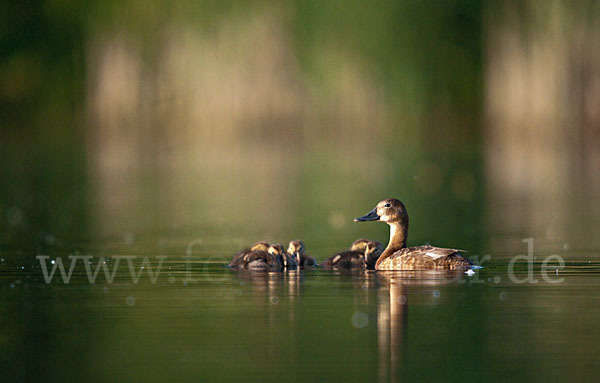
(370, 216)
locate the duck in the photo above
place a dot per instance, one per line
(397, 256)
(257, 258)
(297, 250)
(363, 254)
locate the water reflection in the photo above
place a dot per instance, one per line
(380, 295)
(392, 314)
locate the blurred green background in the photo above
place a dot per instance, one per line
(234, 121)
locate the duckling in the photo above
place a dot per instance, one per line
(259, 259)
(362, 254)
(345, 260)
(397, 256)
(372, 252)
(289, 262)
(238, 257)
(297, 250)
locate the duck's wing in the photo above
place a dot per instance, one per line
(408, 258)
(431, 251)
(443, 258)
(424, 258)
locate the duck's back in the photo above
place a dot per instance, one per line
(424, 258)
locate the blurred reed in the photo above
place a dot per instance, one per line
(542, 118)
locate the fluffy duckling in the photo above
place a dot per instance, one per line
(297, 250)
(261, 256)
(397, 256)
(372, 252)
(362, 254)
(258, 246)
(289, 262)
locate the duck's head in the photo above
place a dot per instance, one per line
(260, 246)
(359, 245)
(389, 211)
(277, 251)
(296, 249)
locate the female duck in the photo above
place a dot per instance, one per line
(397, 256)
(362, 254)
(297, 251)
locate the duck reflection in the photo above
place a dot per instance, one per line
(392, 315)
(393, 290)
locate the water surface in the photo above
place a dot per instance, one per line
(202, 321)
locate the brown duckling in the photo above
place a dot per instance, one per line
(362, 255)
(397, 256)
(258, 246)
(373, 251)
(258, 259)
(297, 250)
(289, 262)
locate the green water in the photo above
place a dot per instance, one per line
(201, 321)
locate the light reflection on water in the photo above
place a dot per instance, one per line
(312, 324)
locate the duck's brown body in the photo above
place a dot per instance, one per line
(399, 257)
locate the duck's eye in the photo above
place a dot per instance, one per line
(387, 205)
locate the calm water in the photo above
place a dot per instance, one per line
(201, 321)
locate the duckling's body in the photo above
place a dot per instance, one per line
(289, 262)
(261, 256)
(297, 251)
(237, 259)
(362, 255)
(397, 256)
(371, 249)
(345, 260)
(260, 260)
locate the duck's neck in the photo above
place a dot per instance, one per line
(398, 234)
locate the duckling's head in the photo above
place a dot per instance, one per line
(296, 249)
(260, 246)
(359, 245)
(389, 211)
(373, 250)
(372, 253)
(277, 251)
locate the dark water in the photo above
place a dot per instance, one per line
(200, 321)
